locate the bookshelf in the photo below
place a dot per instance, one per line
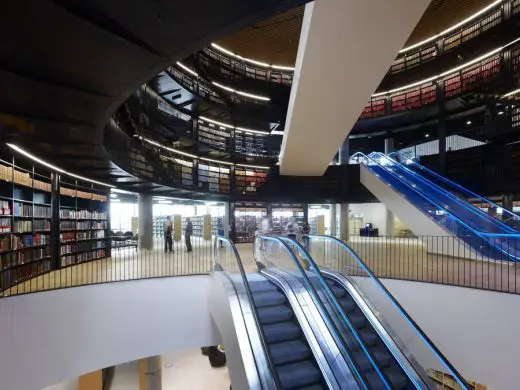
(246, 221)
(282, 214)
(317, 225)
(25, 216)
(201, 226)
(83, 224)
(249, 180)
(214, 177)
(213, 135)
(251, 144)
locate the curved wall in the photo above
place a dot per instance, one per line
(55, 335)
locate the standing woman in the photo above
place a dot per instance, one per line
(187, 234)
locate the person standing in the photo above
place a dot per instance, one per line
(306, 230)
(292, 228)
(187, 234)
(168, 230)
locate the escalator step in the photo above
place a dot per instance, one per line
(299, 374)
(358, 319)
(347, 304)
(369, 337)
(382, 356)
(272, 314)
(397, 378)
(262, 286)
(281, 331)
(313, 387)
(271, 298)
(289, 352)
(339, 292)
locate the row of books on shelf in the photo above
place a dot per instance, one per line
(82, 236)
(82, 257)
(82, 214)
(81, 247)
(14, 259)
(83, 225)
(12, 276)
(29, 210)
(14, 242)
(5, 208)
(30, 226)
(16, 176)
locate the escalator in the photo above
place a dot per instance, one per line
(511, 220)
(291, 355)
(483, 235)
(373, 313)
(274, 332)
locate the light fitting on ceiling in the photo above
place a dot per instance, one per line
(250, 95)
(54, 167)
(251, 61)
(190, 71)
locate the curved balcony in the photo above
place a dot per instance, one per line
(236, 67)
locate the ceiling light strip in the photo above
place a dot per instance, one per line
(245, 130)
(258, 97)
(253, 166)
(190, 71)
(453, 27)
(228, 126)
(151, 142)
(514, 92)
(217, 161)
(453, 70)
(255, 62)
(54, 167)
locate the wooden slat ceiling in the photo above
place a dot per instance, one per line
(275, 40)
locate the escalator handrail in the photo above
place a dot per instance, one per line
(254, 312)
(453, 371)
(458, 186)
(332, 297)
(476, 232)
(470, 208)
(318, 300)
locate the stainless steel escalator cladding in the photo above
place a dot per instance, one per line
(275, 335)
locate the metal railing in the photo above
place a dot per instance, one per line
(131, 258)
(334, 254)
(434, 259)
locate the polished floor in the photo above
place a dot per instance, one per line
(391, 258)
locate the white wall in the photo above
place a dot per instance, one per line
(65, 385)
(375, 213)
(50, 336)
(476, 330)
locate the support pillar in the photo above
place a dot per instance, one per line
(150, 376)
(145, 221)
(226, 222)
(344, 221)
(333, 227)
(55, 220)
(389, 145)
(507, 202)
(344, 152)
(390, 223)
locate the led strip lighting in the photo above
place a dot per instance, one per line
(453, 70)
(228, 126)
(251, 61)
(182, 66)
(54, 167)
(450, 29)
(250, 95)
(514, 92)
(403, 50)
(252, 166)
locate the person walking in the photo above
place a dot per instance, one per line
(306, 230)
(187, 234)
(168, 230)
(292, 228)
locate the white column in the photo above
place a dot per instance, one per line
(145, 221)
(390, 223)
(333, 227)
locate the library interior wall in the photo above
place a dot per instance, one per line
(374, 213)
(87, 328)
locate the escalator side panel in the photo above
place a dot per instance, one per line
(229, 311)
(316, 331)
(393, 344)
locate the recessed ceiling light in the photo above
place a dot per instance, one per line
(468, 123)
(427, 135)
(501, 113)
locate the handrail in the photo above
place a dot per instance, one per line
(448, 194)
(453, 371)
(495, 235)
(336, 304)
(458, 186)
(253, 307)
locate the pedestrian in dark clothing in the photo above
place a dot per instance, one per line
(168, 230)
(306, 230)
(187, 234)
